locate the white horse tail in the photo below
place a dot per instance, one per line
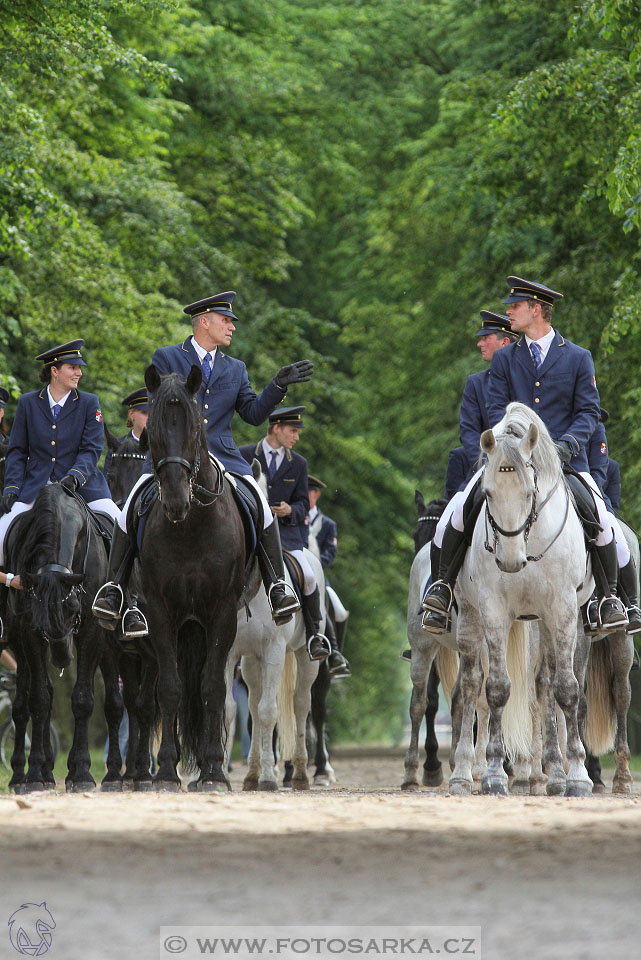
(447, 666)
(517, 715)
(599, 729)
(286, 717)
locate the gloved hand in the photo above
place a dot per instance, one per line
(297, 372)
(69, 482)
(7, 501)
(564, 449)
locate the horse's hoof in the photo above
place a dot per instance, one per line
(18, 788)
(192, 786)
(494, 787)
(111, 786)
(578, 788)
(286, 784)
(321, 780)
(410, 786)
(35, 787)
(82, 786)
(460, 788)
(598, 788)
(141, 786)
(128, 786)
(249, 783)
(621, 787)
(213, 786)
(168, 786)
(520, 788)
(268, 786)
(300, 783)
(555, 789)
(537, 788)
(433, 778)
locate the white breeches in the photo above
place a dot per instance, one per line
(623, 550)
(608, 530)
(267, 513)
(104, 505)
(454, 509)
(310, 579)
(340, 613)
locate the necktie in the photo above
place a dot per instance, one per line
(271, 469)
(207, 365)
(56, 410)
(535, 351)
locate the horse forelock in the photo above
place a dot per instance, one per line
(41, 532)
(509, 433)
(172, 390)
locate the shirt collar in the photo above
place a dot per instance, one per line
(201, 350)
(268, 449)
(544, 343)
(53, 402)
(313, 513)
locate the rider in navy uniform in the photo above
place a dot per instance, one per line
(556, 379)
(286, 475)
(326, 539)
(225, 389)
(138, 412)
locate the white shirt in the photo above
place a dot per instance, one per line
(53, 402)
(313, 513)
(543, 344)
(202, 353)
(268, 450)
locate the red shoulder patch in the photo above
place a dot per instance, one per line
(99, 416)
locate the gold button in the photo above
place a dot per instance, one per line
(537, 384)
(206, 406)
(206, 391)
(53, 443)
(205, 421)
(53, 459)
(53, 426)
(536, 399)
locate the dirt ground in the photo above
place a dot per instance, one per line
(544, 878)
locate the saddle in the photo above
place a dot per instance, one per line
(296, 573)
(583, 498)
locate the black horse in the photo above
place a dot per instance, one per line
(60, 555)
(126, 463)
(193, 563)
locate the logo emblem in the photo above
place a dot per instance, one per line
(604, 449)
(30, 929)
(99, 416)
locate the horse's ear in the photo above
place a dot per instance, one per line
(194, 379)
(112, 440)
(152, 378)
(418, 500)
(143, 441)
(256, 469)
(530, 440)
(488, 441)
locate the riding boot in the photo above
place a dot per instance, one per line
(4, 596)
(337, 663)
(438, 598)
(611, 613)
(630, 590)
(109, 600)
(282, 601)
(318, 646)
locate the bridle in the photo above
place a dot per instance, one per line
(196, 490)
(531, 518)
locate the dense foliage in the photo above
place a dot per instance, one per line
(365, 173)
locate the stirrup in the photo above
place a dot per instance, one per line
(632, 611)
(622, 622)
(107, 614)
(427, 606)
(430, 627)
(135, 633)
(288, 608)
(324, 641)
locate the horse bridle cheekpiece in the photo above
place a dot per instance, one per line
(196, 490)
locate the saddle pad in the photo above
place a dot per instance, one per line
(585, 506)
(296, 573)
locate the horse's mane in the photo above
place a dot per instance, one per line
(39, 532)
(510, 431)
(172, 388)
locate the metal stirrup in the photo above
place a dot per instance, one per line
(319, 636)
(425, 605)
(138, 633)
(293, 605)
(98, 611)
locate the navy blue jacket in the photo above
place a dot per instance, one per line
(563, 392)
(289, 483)
(326, 534)
(613, 484)
(227, 391)
(598, 460)
(42, 449)
(458, 472)
(473, 418)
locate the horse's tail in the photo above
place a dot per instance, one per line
(517, 715)
(191, 653)
(599, 729)
(286, 718)
(447, 666)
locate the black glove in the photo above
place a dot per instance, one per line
(564, 450)
(70, 482)
(297, 372)
(7, 501)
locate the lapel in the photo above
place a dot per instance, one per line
(553, 354)
(524, 358)
(69, 407)
(43, 405)
(287, 459)
(190, 356)
(220, 365)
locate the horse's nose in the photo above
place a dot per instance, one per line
(510, 567)
(177, 512)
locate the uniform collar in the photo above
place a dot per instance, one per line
(201, 352)
(53, 402)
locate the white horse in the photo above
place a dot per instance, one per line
(279, 675)
(527, 560)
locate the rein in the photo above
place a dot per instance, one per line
(531, 518)
(196, 490)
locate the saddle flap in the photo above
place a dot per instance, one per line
(295, 572)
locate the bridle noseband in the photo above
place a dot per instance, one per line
(196, 490)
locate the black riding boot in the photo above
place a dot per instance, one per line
(109, 600)
(318, 646)
(610, 612)
(337, 663)
(630, 590)
(438, 599)
(283, 602)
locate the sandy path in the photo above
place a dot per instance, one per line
(544, 877)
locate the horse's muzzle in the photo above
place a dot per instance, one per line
(510, 567)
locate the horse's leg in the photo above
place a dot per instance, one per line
(146, 713)
(320, 689)
(89, 648)
(622, 653)
(230, 706)
(40, 711)
(432, 768)
(129, 668)
(113, 708)
(566, 691)
(251, 670)
(220, 638)
(419, 669)
(482, 725)
(47, 766)
(551, 757)
(306, 673)
(497, 692)
(20, 717)
(456, 711)
(468, 638)
(272, 664)
(163, 634)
